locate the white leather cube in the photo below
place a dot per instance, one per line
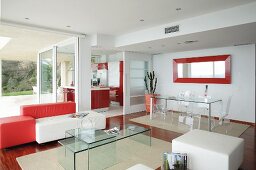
(209, 150)
(54, 128)
(139, 167)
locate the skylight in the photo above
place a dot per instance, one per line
(4, 41)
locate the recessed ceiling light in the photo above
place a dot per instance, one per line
(27, 18)
(242, 44)
(190, 41)
(178, 9)
(142, 20)
(68, 26)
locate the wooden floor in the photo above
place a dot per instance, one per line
(8, 156)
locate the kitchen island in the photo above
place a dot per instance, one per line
(99, 96)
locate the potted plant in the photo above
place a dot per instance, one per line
(150, 89)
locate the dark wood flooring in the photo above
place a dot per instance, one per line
(8, 156)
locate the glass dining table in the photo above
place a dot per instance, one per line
(202, 100)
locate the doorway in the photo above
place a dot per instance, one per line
(107, 82)
(56, 73)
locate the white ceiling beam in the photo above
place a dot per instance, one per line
(225, 18)
(40, 28)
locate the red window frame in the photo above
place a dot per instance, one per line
(226, 80)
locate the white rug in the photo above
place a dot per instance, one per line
(128, 153)
(171, 123)
(113, 111)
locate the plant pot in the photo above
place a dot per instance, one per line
(147, 101)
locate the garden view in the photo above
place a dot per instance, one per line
(18, 77)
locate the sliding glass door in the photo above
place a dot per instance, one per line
(56, 73)
(46, 76)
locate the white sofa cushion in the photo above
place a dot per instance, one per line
(54, 128)
(209, 150)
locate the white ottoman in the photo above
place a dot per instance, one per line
(139, 167)
(54, 128)
(209, 150)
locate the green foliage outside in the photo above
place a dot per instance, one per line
(46, 77)
(19, 93)
(18, 77)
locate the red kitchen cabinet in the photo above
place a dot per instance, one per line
(94, 99)
(99, 99)
(69, 94)
(102, 66)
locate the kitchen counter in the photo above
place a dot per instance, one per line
(68, 87)
(100, 98)
(100, 88)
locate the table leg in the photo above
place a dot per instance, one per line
(88, 158)
(74, 161)
(165, 104)
(209, 119)
(151, 108)
(150, 138)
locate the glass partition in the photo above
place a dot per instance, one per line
(46, 76)
(65, 74)
(138, 70)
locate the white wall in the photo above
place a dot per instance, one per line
(115, 57)
(243, 79)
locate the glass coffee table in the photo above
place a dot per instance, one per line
(95, 149)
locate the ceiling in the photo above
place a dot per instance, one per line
(229, 36)
(25, 44)
(112, 17)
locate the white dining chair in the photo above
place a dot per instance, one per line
(225, 113)
(162, 110)
(192, 116)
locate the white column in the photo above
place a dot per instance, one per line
(83, 74)
(0, 78)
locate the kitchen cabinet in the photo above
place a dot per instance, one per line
(69, 94)
(100, 98)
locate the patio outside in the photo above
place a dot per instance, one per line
(18, 79)
(18, 67)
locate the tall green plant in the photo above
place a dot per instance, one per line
(152, 82)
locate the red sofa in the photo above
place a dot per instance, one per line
(49, 109)
(18, 130)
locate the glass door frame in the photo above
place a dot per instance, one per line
(39, 73)
(54, 68)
